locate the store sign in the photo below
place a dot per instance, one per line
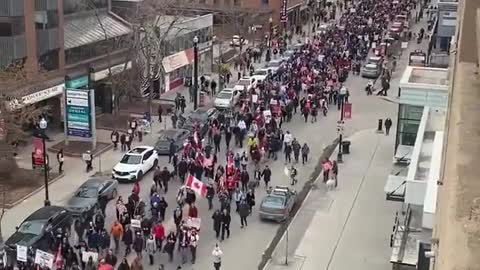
(77, 83)
(175, 61)
(38, 96)
(283, 11)
(97, 76)
(79, 111)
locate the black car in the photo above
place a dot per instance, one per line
(36, 231)
(162, 146)
(202, 116)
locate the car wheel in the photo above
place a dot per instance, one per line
(114, 194)
(139, 175)
(155, 164)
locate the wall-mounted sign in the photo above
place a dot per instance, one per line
(100, 75)
(77, 83)
(38, 96)
(283, 11)
(78, 113)
(175, 61)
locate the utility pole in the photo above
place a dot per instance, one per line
(340, 131)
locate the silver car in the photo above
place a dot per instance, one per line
(371, 70)
(278, 204)
(87, 196)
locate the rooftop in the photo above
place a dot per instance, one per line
(428, 76)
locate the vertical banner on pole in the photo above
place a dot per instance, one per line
(283, 11)
(347, 110)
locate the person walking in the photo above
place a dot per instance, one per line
(210, 195)
(193, 245)
(335, 172)
(114, 137)
(151, 248)
(138, 244)
(296, 147)
(160, 112)
(127, 239)
(183, 244)
(243, 211)
(293, 174)
(88, 158)
(159, 234)
(266, 174)
(123, 142)
(388, 125)
(60, 159)
(217, 257)
(170, 245)
(116, 231)
(226, 219)
(217, 222)
(305, 152)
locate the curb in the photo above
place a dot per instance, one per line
(75, 155)
(302, 196)
(19, 201)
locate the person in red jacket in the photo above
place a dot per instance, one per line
(159, 234)
(193, 211)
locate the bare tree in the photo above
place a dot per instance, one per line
(152, 28)
(15, 116)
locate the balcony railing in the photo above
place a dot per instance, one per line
(47, 40)
(12, 48)
(11, 8)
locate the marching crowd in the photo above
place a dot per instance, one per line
(310, 83)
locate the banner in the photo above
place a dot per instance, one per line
(347, 110)
(21, 253)
(283, 11)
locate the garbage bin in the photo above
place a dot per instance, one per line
(346, 147)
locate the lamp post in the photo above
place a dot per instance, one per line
(43, 128)
(195, 72)
(340, 131)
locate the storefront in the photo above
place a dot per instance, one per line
(48, 99)
(179, 66)
(101, 83)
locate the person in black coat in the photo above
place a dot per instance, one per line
(266, 174)
(138, 244)
(210, 195)
(225, 221)
(217, 222)
(110, 258)
(127, 239)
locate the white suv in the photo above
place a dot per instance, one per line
(135, 163)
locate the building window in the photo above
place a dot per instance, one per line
(46, 19)
(13, 26)
(409, 118)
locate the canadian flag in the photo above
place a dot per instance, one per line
(196, 185)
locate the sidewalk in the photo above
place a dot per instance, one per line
(351, 225)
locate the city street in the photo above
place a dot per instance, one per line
(244, 248)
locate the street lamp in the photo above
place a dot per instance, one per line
(43, 127)
(195, 72)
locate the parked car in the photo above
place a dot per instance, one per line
(287, 55)
(247, 82)
(227, 98)
(202, 116)
(162, 146)
(278, 204)
(375, 60)
(135, 164)
(85, 198)
(261, 71)
(36, 230)
(371, 70)
(238, 40)
(274, 65)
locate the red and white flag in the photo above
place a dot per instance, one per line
(196, 185)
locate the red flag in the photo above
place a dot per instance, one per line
(196, 185)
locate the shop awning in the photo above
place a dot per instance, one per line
(395, 188)
(89, 27)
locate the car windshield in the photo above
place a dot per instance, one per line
(273, 64)
(261, 72)
(198, 117)
(370, 67)
(32, 227)
(224, 95)
(244, 82)
(87, 192)
(131, 159)
(274, 201)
